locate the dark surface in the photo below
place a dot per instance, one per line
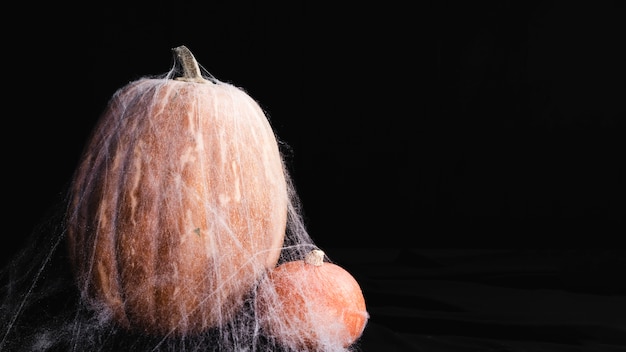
(430, 300)
(491, 300)
(407, 129)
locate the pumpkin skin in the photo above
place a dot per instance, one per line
(311, 305)
(178, 205)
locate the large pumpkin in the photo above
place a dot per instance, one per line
(178, 204)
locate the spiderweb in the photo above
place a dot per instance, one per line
(66, 290)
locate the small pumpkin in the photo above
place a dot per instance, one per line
(311, 304)
(178, 204)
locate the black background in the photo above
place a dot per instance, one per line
(441, 123)
(434, 124)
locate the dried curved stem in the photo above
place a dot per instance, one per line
(191, 69)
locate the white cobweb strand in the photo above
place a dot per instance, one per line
(194, 218)
(41, 309)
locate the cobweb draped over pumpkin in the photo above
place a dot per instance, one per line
(160, 245)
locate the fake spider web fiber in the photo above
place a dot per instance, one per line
(42, 307)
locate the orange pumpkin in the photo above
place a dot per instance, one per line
(178, 204)
(311, 305)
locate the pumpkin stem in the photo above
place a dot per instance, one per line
(315, 257)
(191, 69)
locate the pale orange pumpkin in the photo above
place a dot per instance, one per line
(311, 304)
(178, 204)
